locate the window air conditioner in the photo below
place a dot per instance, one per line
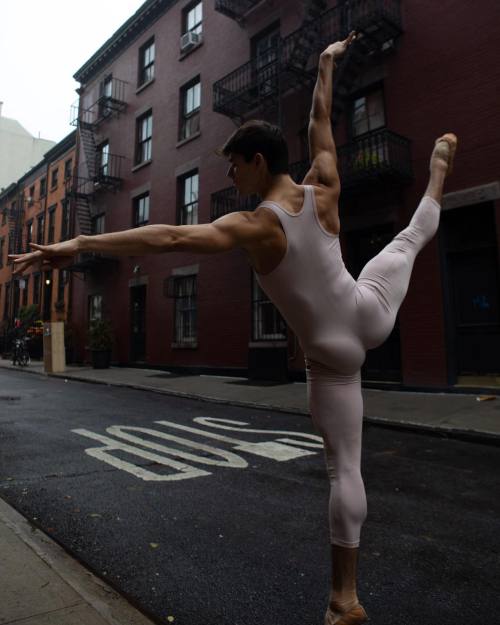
(189, 40)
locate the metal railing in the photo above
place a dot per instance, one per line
(110, 170)
(381, 154)
(105, 106)
(235, 9)
(246, 87)
(228, 201)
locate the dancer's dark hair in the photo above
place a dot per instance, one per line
(259, 136)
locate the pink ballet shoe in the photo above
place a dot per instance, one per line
(447, 155)
(353, 616)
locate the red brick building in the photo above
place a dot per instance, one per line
(177, 78)
(36, 209)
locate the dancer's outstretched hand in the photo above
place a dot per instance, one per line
(337, 49)
(56, 256)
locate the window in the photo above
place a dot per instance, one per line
(368, 113)
(106, 90)
(2, 243)
(192, 19)
(25, 290)
(31, 196)
(29, 235)
(190, 99)
(7, 301)
(141, 210)
(144, 138)
(52, 221)
(36, 288)
(43, 187)
(97, 225)
(95, 307)
(40, 228)
(63, 279)
(188, 213)
(53, 180)
(267, 323)
(185, 310)
(103, 160)
(265, 61)
(67, 169)
(65, 220)
(147, 62)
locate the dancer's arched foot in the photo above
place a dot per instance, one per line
(444, 153)
(355, 615)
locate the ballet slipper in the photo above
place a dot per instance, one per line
(447, 155)
(353, 616)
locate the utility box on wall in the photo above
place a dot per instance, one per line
(54, 357)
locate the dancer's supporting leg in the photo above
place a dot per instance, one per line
(384, 281)
(336, 407)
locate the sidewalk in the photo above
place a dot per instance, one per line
(42, 585)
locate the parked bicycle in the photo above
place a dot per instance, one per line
(20, 353)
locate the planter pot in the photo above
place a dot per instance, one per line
(101, 359)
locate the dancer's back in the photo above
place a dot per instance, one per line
(312, 288)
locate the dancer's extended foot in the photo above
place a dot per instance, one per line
(444, 153)
(355, 615)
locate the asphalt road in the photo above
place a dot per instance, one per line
(215, 525)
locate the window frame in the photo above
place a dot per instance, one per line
(51, 224)
(142, 70)
(194, 114)
(136, 207)
(185, 303)
(141, 142)
(196, 28)
(365, 93)
(182, 213)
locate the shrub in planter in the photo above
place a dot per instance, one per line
(100, 343)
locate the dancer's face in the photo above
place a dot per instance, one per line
(246, 176)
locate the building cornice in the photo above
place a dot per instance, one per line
(148, 13)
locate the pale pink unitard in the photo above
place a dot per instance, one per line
(336, 319)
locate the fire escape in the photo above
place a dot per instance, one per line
(98, 170)
(252, 91)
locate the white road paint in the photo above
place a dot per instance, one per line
(230, 459)
(280, 449)
(102, 453)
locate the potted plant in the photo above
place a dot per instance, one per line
(100, 343)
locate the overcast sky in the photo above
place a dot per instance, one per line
(42, 44)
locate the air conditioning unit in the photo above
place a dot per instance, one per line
(189, 40)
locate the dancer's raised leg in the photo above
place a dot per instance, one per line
(383, 283)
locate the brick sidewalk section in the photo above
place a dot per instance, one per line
(473, 414)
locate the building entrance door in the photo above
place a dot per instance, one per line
(138, 323)
(472, 289)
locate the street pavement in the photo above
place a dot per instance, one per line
(43, 585)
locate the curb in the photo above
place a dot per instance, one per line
(469, 435)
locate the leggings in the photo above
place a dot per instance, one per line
(334, 396)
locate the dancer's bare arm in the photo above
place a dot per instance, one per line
(232, 231)
(321, 143)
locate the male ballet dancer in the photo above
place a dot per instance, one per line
(292, 242)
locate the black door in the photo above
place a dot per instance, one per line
(384, 362)
(472, 289)
(138, 323)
